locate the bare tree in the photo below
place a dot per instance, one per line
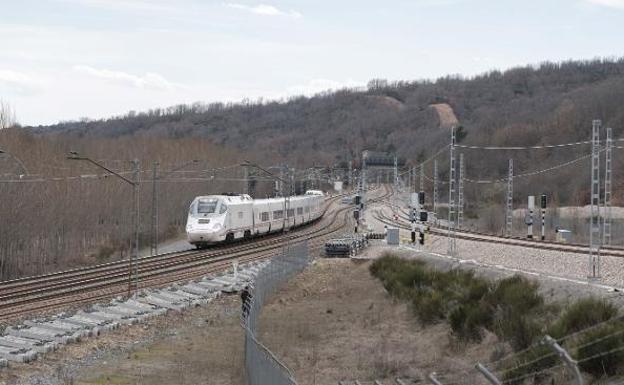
(7, 115)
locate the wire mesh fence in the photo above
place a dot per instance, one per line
(261, 365)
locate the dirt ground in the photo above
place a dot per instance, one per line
(203, 345)
(336, 322)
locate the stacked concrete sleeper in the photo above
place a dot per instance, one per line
(25, 342)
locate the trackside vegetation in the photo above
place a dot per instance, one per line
(513, 309)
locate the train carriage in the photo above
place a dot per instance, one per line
(221, 218)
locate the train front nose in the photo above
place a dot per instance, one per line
(204, 231)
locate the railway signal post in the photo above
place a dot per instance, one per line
(422, 217)
(543, 207)
(529, 218)
(413, 220)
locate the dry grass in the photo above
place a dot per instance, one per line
(335, 322)
(200, 346)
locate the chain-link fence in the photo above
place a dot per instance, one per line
(261, 365)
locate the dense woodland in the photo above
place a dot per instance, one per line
(48, 225)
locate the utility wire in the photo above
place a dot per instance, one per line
(522, 147)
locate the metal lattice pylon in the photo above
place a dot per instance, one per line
(460, 193)
(422, 177)
(451, 250)
(509, 211)
(606, 228)
(594, 225)
(396, 174)
(435, 186)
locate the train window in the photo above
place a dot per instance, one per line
(240, 215)
(207, 206)
(278, 214)
(192, 209)
(223, 208)
(299, 210)
(264, 216)
(291, 213)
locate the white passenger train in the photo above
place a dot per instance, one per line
(220, 218)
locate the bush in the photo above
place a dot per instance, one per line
(521, 330)
(430, 306)
(533, 360)
(104, 253)
(399, 277)
(582, 314)
(601, 341)
(517, 293)
(517, 304)
(468, 321)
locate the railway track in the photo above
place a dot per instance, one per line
(480, 237)
(405, 217)
(48, 292)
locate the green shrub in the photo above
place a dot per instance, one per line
(104, 253)
(399, 276)
(517, 293)
(582, 314)
(519, 329)
(538, 358)
(430, 306)
(517, 304)
(468, 320)
(601, 341)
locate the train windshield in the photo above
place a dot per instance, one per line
(207, 206)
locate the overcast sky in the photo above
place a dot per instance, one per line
(68, 59)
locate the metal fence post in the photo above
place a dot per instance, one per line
(565, 357)
(487, 374)
(432, 378)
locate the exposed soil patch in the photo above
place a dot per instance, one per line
(445, 114)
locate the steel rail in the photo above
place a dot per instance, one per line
(86, 285)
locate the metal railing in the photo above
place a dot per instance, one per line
(261, 365)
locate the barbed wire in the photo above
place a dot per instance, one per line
(615, 350)
(532, 374)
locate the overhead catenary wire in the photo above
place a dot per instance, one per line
(523, 175)
(530, 173)
(518, 148)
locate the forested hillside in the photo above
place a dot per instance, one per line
(550, 102)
